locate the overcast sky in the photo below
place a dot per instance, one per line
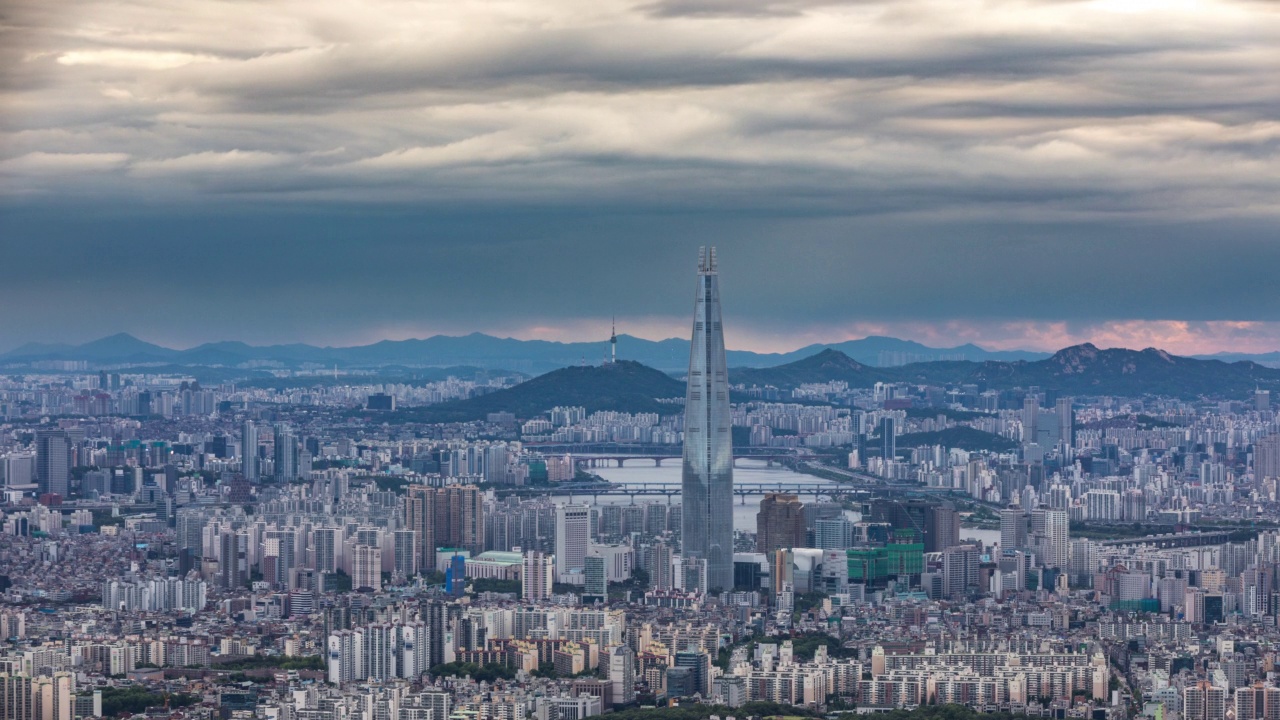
(1017, 174)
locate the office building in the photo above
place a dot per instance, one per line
(833, 533)
(698, 665)
(573, 538)
(888, 438)
(707, 478)
(53, 461)
(595, 582)
(936, 524)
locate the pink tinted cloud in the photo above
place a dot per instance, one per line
(1177, 336)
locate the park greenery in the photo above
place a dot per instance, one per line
(132, 699)
(480, 673)
(495, 585)
(275, 662)
(703, 712)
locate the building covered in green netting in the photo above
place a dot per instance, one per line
(901, 558)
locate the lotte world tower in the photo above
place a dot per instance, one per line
(707, 482)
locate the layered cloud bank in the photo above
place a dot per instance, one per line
(1002, 165)
(1056, 109)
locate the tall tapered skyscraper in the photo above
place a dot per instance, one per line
(707, 483)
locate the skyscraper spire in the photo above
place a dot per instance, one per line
(707, 479)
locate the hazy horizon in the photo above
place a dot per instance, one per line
(941, 344)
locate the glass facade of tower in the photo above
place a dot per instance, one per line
(707, 482)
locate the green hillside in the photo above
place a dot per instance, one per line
(624, 386)
(962, 437)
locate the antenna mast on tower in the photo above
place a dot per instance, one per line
(613, 340)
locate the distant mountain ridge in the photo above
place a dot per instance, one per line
(533, 357)
(486, 351)
(1078, 370)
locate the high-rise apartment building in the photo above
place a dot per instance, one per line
(1266, 459)
(15, 697)
(1050, 530)
(325, 546)
(249, 451)
(622, 675)
(233, 563)
(661, 576)
(1204, 701)
(366, 567)
(1066, 421)
(53, 698)
(1257, 702)
(405, 545)
(285, 456)
(1013, 528)
(944, 528)
(537, 576)
(1102, 504)
(960, 570)
(780, 523)
(707, 477)
(1030, 417)
(451, 516)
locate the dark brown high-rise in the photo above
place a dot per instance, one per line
(780, 523)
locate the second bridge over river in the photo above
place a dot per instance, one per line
(672, 490)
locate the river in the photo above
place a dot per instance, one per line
(744, 471)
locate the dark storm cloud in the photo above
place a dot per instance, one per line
(333, 167)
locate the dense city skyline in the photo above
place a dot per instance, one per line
(469, 544)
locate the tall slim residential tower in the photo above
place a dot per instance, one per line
(286, 454)
(707, 483)
(1066, 421)
(249, 451)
